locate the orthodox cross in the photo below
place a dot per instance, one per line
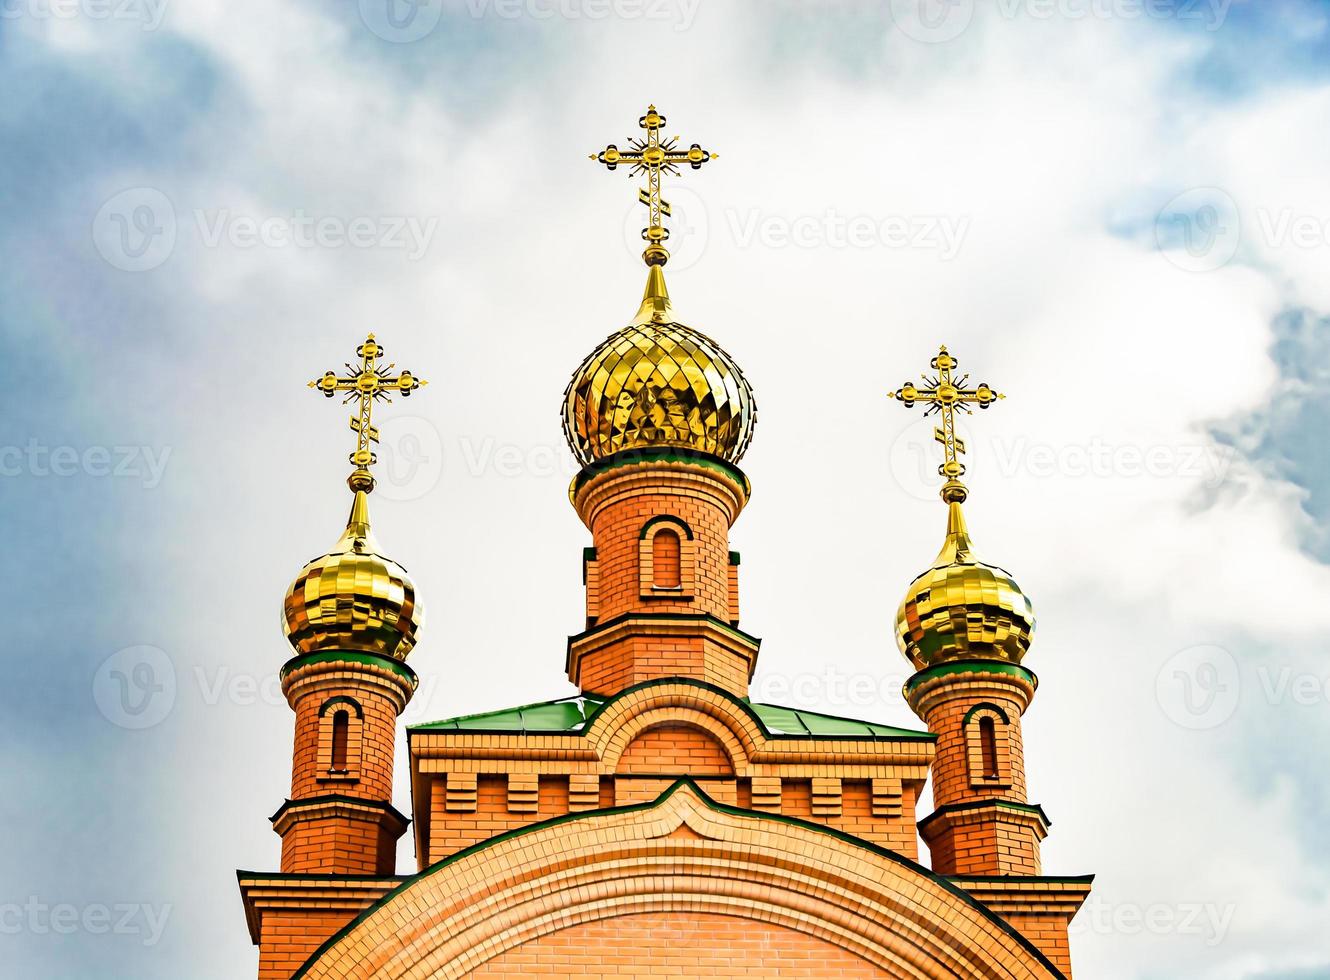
(945, 396)
(368, 381)
(653, 156)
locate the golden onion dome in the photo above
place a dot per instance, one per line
(353, 598)
(658, 383)
(962, 608)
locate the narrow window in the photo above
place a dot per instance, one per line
(988, 747)
(340, 732)
(665, 560)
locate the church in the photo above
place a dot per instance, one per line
(659, 822)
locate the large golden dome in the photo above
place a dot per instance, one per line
(353, 598)
(657, 383)
(963, 609)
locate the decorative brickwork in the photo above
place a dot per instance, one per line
(681, 855)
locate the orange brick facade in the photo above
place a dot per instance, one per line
(664, 826)
(680, 944)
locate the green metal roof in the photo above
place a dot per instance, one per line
(570, 715)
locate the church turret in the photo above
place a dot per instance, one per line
(659, 415)
(351, 617)
(966, 625)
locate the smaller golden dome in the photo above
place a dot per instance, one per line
(656, 383)
(963, 609)
(353, 598)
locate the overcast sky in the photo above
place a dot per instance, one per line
(1113, 211)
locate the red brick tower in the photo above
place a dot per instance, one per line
(659, 494)
(351, 618)
(966, 627)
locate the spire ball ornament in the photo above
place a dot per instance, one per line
(354, 598)
(960, 608)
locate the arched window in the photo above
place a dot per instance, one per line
(665, 560)
(988, 747)
(341, 731)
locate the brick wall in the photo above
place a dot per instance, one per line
(676, 944)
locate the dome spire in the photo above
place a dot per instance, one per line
(354, 598)
(653, 156)
(655, 306)
(959, 608)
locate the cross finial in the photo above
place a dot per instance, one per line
(368, 381)
(944, 396)
(653, 156)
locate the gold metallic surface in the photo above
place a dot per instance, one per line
(945, 396)
(658, 382)
(962, 608)
(368, 382)
(353, 598)
(653, 157)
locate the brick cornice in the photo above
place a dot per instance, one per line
(1009, 895)
(973, 680)
(596, 488)
(954, 815)
(346, 807)
(314, 893)
(330, 671)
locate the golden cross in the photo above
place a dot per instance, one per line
(369, 381)
(944, 396)
(652, 156)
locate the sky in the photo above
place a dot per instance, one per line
(1115, 212)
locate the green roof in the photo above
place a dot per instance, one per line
(570, 715)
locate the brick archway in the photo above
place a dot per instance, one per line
(681, 854)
